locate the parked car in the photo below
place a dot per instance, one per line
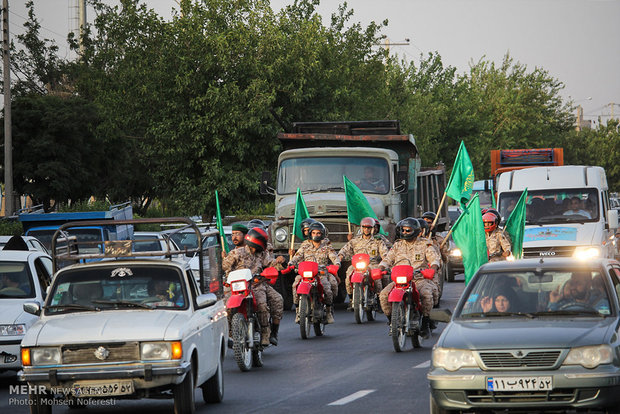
(24, 277)
(146, 241)
(531, 335)
(125, 328)
(32, 242)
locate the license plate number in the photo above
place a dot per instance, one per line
(102, 389)
(519, 383)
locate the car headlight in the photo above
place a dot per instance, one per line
(587, 252)
(160, 350)
(45, 356)
(281, 234)
(12, 330)
(453, 359)
(589, 356)
(456, 252)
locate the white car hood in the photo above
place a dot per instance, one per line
(12, 312)
(121, 325)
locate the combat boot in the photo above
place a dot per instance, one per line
(425, 331)
(264, 336)
(273, 339)
(432, 325)
(330, 314)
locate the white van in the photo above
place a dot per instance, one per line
(568, 210)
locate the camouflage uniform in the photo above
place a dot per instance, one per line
(498, 242)
(264, 294)
(418, 254)
(385, 240)
(321, 255)
(374, 247)
(443, 254)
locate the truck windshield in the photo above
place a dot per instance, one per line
(325, 173)
(82, 235)
(567, 205)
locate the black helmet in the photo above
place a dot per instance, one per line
(413, 224)
(305, 224)
(317, 225)
(257, 238)
(423, 226)
(256, 223)
(429, 215)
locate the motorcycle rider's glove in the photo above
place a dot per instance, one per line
(333, 269)
(428, 273)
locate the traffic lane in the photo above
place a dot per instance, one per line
(352, 368)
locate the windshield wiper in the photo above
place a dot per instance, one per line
(501, 314)
(75, 306)
(124, 303)
(580, 312)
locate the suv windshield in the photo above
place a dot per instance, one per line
(325, 173)
(90, 236)
(15, 281)
(114, 287)
(555, 293)
(567, 205)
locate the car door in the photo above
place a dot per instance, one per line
(42, 274)
(202, 321)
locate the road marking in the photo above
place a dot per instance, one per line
(425, 364)
(352, 397)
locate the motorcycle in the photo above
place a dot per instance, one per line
(365, 296)
(406, 320)
(245, 327)
(312, 308)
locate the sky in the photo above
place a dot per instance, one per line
(576, 41)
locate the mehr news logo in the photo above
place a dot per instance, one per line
(49, 396)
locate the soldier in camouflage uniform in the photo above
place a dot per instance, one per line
(431, 234)
(498, 242)
(319, 250)
(419, 253)
(363, 243)
(253, 256)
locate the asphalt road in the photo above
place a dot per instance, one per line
(352, 369)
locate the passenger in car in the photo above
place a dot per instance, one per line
(11, 285)
(85, 293)
(503, 299)
(578, 293)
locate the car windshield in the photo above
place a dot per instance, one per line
(575, 205)
(558, 293)
(15, 281)
(325, 173)
(90, 236)
(114, 287)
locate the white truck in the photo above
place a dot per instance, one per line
(568, 210)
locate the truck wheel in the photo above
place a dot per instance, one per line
(184, 394)
(213, 389)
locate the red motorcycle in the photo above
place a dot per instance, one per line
(365, 296)
(312, 308)
(245, 327)
(406, 308)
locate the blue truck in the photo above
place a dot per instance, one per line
(43, 225)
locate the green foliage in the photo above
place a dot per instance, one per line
(10, 227)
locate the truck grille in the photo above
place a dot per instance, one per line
(556, 251)
(530, 360)
(85, 354)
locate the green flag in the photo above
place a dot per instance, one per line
(358, 206)
(515, 226)
(220, 228)
(301, 213)
(461, 178)
(468, 235)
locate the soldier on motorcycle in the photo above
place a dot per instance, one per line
(498, 242)
(419, 253)
(319, 250)
(255, 257)
(363, 243)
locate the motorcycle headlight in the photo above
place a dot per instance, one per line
(281, 234)
(161, 350)
(238, 286)
(45, 356)
(401, 280)
(360, 265)
(453, 359)
(456, 252)
(589, 356)
(12, 330)
(587, 252)
(307, 274)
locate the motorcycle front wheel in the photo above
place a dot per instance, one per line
(398, 330)
(369, 304)
(416, 339)
(304, 317)
(358, 305)
(243, 354)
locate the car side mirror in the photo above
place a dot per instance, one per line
(265, 183)
(206, 300)
(612, 219)
(402, 183)
(441, 315)
(33, 308)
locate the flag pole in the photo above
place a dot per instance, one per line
(438, 210)
(443, 242)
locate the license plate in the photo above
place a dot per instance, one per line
(102, 389)
(519, 384)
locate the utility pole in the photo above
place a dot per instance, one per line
(579, 118)
(9, 202)
(82, 23)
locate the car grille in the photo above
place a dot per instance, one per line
(557, 395)
(555, 251)
(85, 354)
(536, 359)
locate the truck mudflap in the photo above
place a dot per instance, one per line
(357, 277)
(304, 288)
(396, 295)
